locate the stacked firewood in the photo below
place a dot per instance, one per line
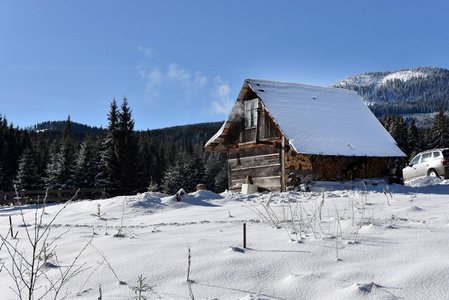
(327, 167)
(374, 167)
(298, 162)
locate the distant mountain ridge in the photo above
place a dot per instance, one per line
(418, 90)
(195, 133)
(59, 126)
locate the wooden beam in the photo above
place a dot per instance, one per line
(217, 148)
(263, 156)
(255, 167)
(260, 144)
(283, 164)
(256, 141)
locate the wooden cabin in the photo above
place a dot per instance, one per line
(281, 134)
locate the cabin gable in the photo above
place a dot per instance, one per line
(261, 152)
(252, 141)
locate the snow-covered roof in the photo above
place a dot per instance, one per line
(322, 120)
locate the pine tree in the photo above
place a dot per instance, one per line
(413, 139)
(12, 141)
(122, 150)
(186, 173)
(401, 134)
(102, 178)
(128, 155)
(52, 177)
(42, 149)
(440, 130)
(87, 164)
(62, 167)
(216, 172)
(149, 161)
(27, 175)
(109, 150)
(67, 157)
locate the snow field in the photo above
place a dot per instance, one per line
(386, 249)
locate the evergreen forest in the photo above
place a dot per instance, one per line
(118, 158)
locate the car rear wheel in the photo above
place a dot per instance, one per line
(433, 173)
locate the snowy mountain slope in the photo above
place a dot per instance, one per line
(407, 91)
(378, 79)
(355, 242)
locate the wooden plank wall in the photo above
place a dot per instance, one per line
(268, 130)
(261, 163)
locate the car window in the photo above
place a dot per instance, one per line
(415, 160)
(425, 157)
(446, 153)
(436, 154)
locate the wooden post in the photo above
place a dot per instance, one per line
(244, 235)
(10, 227)
(283, 164)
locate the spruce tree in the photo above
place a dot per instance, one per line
(109, 150)
(149, 162)
(401, 137)
(102, 177)
(122, 150)
(12, 143)
(128, 155)
(42, 150)
(216, 172)
(52, 178)
(62, 167)
(27, 175)
(413, 139)
(87, 164)
(440, 130)
(186, 173)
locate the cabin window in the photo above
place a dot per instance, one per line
(251, 113)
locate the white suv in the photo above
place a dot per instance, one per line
(431, 163)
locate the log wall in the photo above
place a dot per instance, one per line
(261, 163)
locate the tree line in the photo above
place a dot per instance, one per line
(411, 139)
(125, 161)
(117, 158)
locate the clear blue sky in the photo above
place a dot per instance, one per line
(184, 62)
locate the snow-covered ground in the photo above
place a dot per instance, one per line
(340, 240)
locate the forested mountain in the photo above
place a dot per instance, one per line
(59, 126)
(195, 133)
(407, 91)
